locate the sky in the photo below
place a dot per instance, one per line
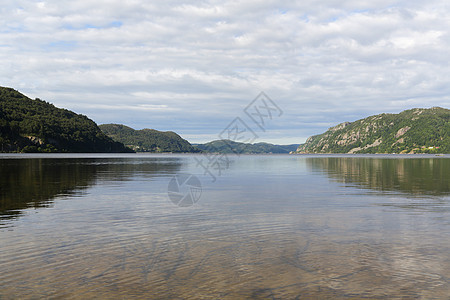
(193, 67)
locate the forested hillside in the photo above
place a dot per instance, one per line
(28, 125)
(148, 140)
(227, 146)
(416, 130)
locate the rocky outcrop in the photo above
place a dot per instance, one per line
(415, 130)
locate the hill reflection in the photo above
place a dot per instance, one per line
(35, 183)
(413, 176)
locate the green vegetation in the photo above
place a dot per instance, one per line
(28, 125)
(227, 146)
(148, 140)
(411, 131)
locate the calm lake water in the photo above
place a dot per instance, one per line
(276, 227)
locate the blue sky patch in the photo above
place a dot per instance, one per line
(60, 46)
(113, 24)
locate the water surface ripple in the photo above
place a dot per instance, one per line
(271, 226)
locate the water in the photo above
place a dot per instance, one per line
(277, 227)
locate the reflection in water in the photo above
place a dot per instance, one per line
(412, 176)
(268, 229)
(36, 182)
(26, 183)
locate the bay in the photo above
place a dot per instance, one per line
(249, 226)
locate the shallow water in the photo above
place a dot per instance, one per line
(267, 226)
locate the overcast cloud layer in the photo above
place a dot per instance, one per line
(193, 66)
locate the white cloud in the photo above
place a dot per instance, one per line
(192, 66)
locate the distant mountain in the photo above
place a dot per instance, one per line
(148, 140)
(416, 130)
(28, 125)
(227, 146)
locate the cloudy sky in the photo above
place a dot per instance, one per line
(193, 66)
